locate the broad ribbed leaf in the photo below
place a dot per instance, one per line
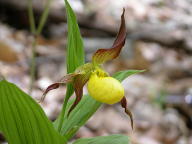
(22, 120)
(121, 75)
(113, 139)
(103, 55)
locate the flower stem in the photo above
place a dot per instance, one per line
(33, 65)
(62, 115)
(44, 17)
(31, 17)
(36, 32)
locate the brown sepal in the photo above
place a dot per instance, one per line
(66, 79)
(127, 111)
(103, 55)
(79, 82)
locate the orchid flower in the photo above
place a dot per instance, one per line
(101, 86)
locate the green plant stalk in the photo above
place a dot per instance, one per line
(43, 17)
(61, 119)
(31, 17)
(33, 65)
(36, 33)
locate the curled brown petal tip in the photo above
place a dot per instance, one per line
(79, 95)
(103, 55)
(66, 79)
(127, 111)
(49, 88)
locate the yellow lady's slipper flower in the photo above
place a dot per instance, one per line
(105, 89)
(101, 86)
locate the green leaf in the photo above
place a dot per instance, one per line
(121, 75)
(79, 116)
(22, 121)
(113, 139)
(75, 48)
(75, 55)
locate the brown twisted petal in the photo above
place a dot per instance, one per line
(127, 111)
(78, 84)
(66, 79)
(103, 55)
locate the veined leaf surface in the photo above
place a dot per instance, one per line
(22, 121)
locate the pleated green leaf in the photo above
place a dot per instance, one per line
(121, 75)
(113, 139)
(22, 121)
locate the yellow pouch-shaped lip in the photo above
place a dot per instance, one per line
(105, 89)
